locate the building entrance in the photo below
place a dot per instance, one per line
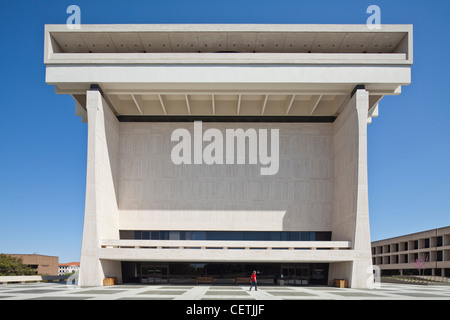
(295, 275)
(154, 273)
(299, 274)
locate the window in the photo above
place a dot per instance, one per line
(304, 236)
(174, 235)
(154, 235)
(227, 235)
(404, 258)
(198, 235)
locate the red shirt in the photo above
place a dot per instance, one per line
(253, 277)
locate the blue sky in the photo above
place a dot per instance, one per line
(43, 143)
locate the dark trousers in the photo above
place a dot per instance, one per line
(254, 284)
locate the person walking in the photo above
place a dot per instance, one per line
(253, 281)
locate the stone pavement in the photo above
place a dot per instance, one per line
(60, 291)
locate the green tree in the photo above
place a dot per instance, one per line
(11, 266)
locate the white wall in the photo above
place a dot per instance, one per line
(101, 211)
(351, 208)
(155, 194)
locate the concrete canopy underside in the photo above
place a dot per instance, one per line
(228, 70)
(297, 74)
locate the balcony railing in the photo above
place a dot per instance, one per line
(226, 245)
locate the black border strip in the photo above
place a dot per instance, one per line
(190, 118)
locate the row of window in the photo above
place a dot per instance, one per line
(226, 235)
(434, 256)
(440, 272)
(411, 245)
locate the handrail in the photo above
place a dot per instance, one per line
(225, 245)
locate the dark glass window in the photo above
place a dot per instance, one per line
(227, 235)
(220, 235)
(274, 236)
(255, 236)
(304, 236)
(199, 235)
(322, 236)
(164, 235)
(295, 236)
(155, 235)
(285, 236)
(187, 273)
(175, 235)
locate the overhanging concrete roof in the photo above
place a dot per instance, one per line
(229, 38)
(228, 69)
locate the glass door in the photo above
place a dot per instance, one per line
(151, 274)
(154, 274)
(144, 274)
(288, 273)
(295, 275)
(157, 274)
(302, 275)
(164, 274)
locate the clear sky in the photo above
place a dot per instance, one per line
(43, 144)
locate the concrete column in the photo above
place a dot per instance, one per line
(351, 208)
(101, 211)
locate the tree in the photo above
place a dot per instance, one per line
(12, 266)
(421, 263)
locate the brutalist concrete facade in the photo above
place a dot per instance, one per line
(318, 85)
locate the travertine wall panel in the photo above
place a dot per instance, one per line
(155, 194)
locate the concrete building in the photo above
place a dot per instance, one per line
(151, 220)
(427, 253)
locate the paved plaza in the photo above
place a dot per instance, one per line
(60, 291)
